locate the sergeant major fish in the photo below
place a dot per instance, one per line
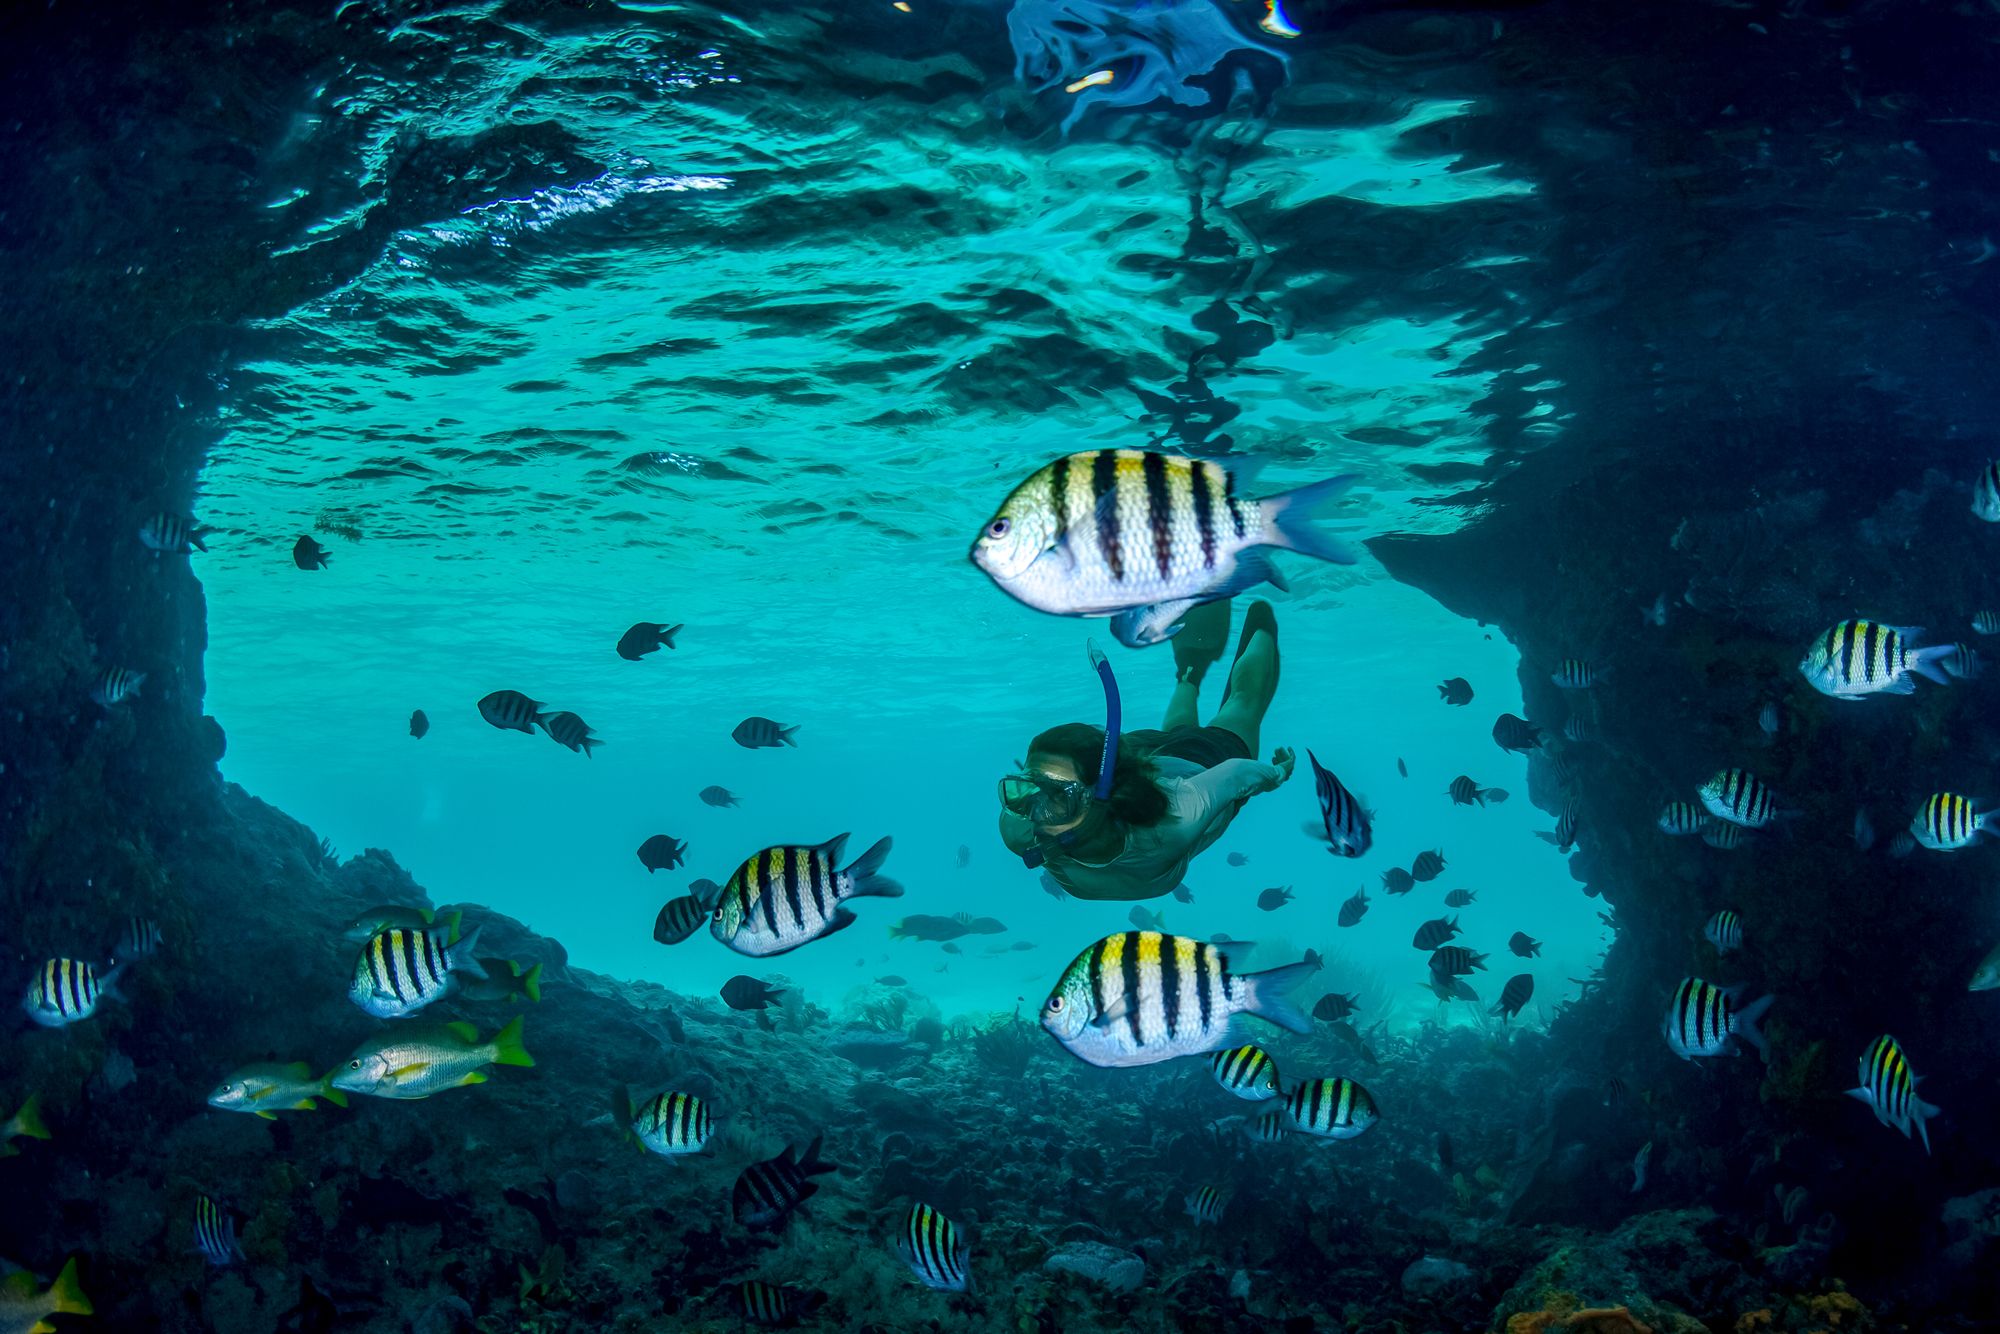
(400, 971)
(767, 1193)
(1724, 931)
(1705, 1020)
(930, 1244)
(68, 991)
(1342, 821)
(215, 1234)
(1428, 866)
(1352, 910)
(1139, 997)
(566, 729)
(646, 637)
(669, 1124)
(1520, 989)
(1741, 798)
(510, 711)
(1464, 792)
(308, 554)
(1143, 537)
(1856, 659)
(1947, 822)
(755, 733)
(785, 896)
(1331, 1108)
(1247, 1071)
(1890, 1090)
(114, 685)
(1205, 1204)
(173, 534)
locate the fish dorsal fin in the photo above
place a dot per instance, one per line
(462, 1030)
(299, 1070)
(962, 917)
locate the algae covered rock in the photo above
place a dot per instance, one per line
(1432, 1276)
(1120, 1271)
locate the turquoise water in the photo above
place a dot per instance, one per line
(766, 375)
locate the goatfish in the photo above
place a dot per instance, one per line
(1331, 1108)
(407, 1065)
(1856, 659)
(25, 1311)
(270, 1088)
(400, 971)
(783, 897)
(1890, 1090)
(1139, 997)
(669, 1124)
(930, 1244)
(1144, 537)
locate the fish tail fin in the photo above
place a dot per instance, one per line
(623, 1113)
(785, 735)
(67, 1292)
(1288, 520)
(507, 1046)
(1268, 1000)
(195, 537)
(811, 1164)
(1747, 1020)
(338, 1097)
(589, 744)
(667, 634)
(531, 983)
(1920, 1112)
(864, 873)
(28, 1121)
(462, 958)
(1929, 663)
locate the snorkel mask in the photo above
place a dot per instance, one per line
(1043, 800)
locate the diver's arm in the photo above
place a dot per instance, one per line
(1232, 782)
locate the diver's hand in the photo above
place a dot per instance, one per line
(1283, 761)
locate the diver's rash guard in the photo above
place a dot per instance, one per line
(1200, 805)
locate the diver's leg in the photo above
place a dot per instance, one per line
(1253, 680)
(1204, 634)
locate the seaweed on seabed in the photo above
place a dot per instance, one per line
(1006, 1046)
(887, 1013)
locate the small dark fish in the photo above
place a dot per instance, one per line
(1428, 866)
(420, 726)
(982, 926)
(1523, 946)
(566, 729)
(952, 947)
(768, 1192)
(1354, 909)
(719, 796)
(645, 637)
(1435, 933)
(511, 711)
(1343, 823)
(1517, 736)
(1333, 1006)
(1272, 899)
(1396, 880)
(1053, 887)
(1147, 920)
(1456, 691)
(173, 534)
(747, 993)
(1182, 894)
(1446, 1158)
(679, 919)
(964, 856)
(1460, 898)
(1238, 859)
(662, 852)
(309, 555)
(1519, 990)
(1463, 792)
(1401, 767)
(114, 685)
(1455, 961)
(1022, 945)
(755, 733)
(929, 926)
(140, 939)
(892, 980)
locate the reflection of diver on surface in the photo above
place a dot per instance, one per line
(1130, 833)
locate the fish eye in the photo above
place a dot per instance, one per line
(354, 1065)
(1055, 1005)
(999, 527)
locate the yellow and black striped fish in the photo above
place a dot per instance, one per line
(1142, 537)
(1947, 821)
(401, 970)
(1205, 1204)
(931, 1246)
(788, 895)
(1139, 996)
(669, 1124)
(65, 991)
(1740, 797)
(767, 1192)
(1890, 1090)
(1705, 1020)
(215, 1233)
(1857, 658)
(1248, 1072)
(679, 918)
(1331, 1108)
(772, 1306)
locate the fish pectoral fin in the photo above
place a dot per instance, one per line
(1119, 1009)
(472, 1077)
(841, 919)
(413, 1068)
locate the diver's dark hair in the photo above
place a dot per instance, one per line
(1135, 789)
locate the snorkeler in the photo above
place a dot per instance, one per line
(1113, 815)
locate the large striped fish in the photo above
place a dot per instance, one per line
(1741, 798)
(1946, 822)
(1888, 1087)
(400, 970)
(1343, 822)
(1143, 537)
(1859, 658)
(930, 1244)
(1331, 1108)
(66, 991)
(1705, 1020)
(1139, 997)
(785, 896)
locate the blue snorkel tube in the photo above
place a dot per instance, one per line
(1107, 764)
